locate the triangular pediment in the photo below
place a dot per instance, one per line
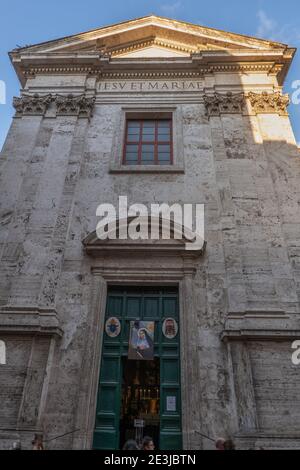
(168, 37)
(152, 41)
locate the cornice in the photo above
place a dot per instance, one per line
(29, 320)
(194, 32)
(267, 334)
(147, 72)
(257, 325)
(198, 43)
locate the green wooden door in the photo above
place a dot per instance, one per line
(127, 304)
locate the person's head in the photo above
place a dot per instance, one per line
(148, 443)
(142, 334)
(229, 445)
(37, 443)
(220, 443)
(130, 445)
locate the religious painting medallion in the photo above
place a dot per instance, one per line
(113, 327)
(170, 328)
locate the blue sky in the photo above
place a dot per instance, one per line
(32, 21)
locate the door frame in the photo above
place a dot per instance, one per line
(142, 268)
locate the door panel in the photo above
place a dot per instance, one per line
(107, 424)
(151, 304)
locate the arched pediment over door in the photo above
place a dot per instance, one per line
(158, 237)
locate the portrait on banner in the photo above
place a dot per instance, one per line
(141, 340)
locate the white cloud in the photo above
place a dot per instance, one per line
(171, 8)
(269, 28)
(266, 26)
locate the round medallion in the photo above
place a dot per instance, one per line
(170, 328)
(113, 327)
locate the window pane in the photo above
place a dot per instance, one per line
(164, 157)
(148, 124)
(147, 156)
(147, 159)
(133, 128)
(163, 148)
(148, 148)
(163, 124)
(132, 148)
(148, 138)
(148, 135)
(132, 154)
(135, 132)
(133, 124)
(148, 130)
(131, 158)
(164, 130)
(133, 138)
(163, 138)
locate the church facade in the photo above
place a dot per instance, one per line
(107, 340)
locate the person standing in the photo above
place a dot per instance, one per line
(37, 443)
(148, 443)
(229, 445)
(130, 445)
(220, 443)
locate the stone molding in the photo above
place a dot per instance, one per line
(227, 103)
(31, 105)
(95, 247)
(151, 42)
(269, 103)
(260, 334)
(66, 105)
(201, 70)
(29, 320)
(258, 325)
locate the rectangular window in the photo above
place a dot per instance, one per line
(148, 142)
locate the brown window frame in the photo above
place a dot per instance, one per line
(142, 142)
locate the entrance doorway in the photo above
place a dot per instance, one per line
(140, 397)
(140, 411)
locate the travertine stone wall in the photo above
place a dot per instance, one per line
(245, 168)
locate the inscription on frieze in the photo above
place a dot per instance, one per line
(153, 86)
